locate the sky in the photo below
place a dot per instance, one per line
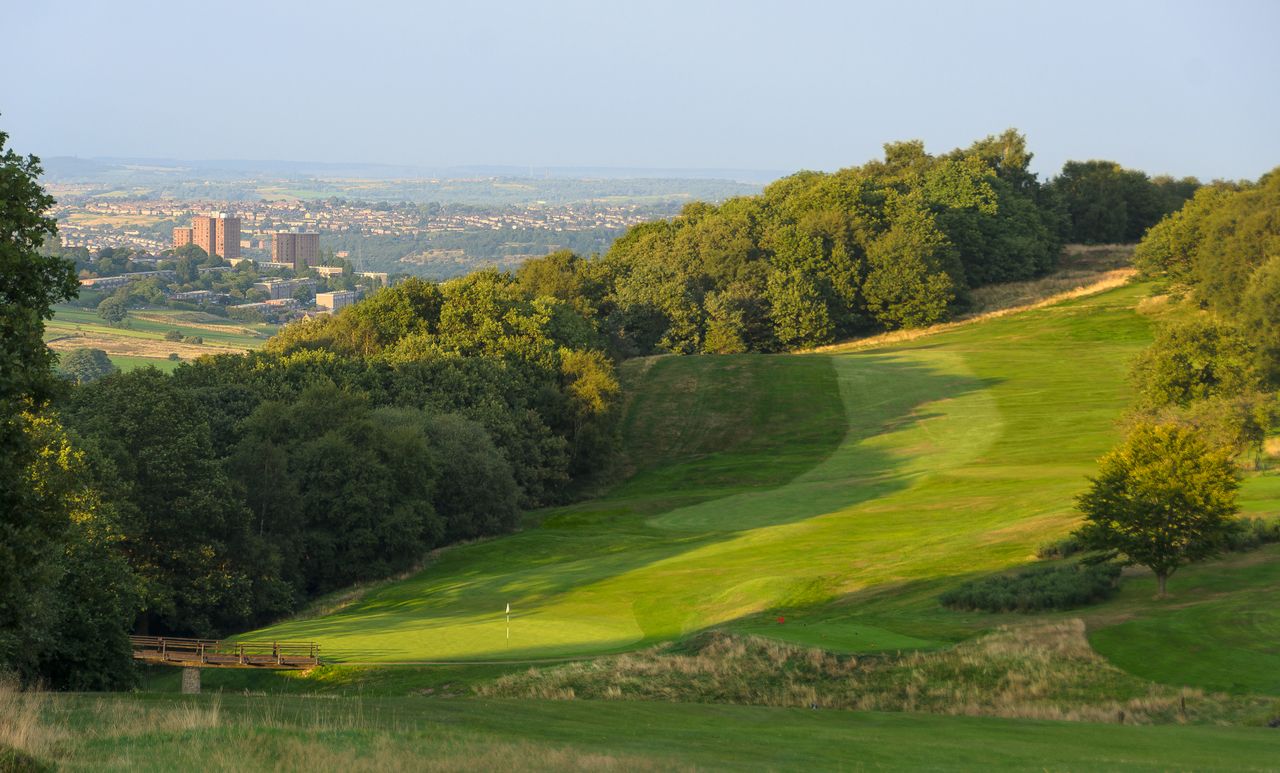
(1184, 88)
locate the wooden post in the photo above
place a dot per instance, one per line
(190, 681)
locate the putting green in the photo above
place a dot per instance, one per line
(782, 484)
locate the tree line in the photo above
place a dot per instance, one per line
(817, 257)
(1206, 386)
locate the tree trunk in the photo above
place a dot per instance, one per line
(1163, 579)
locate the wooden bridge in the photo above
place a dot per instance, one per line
(208, 653)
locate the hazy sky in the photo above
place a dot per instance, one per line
(1177, 87)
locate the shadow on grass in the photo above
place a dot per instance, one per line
(644, 522)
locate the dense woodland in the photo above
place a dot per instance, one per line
(229, 493)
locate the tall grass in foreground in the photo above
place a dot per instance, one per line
(1035, 671)
(82, 732)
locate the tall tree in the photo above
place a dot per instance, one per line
(30, 283)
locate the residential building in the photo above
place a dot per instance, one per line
(108, 282)
(217, 234)
(335, 300)
(182, 237)
(301, 248)
(282, 288)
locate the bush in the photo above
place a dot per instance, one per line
(17, 761)
(193, 340)
(1038, 589)
(173, 335)
(1066, 547)
(1251, 533)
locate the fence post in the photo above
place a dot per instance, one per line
(190, 681)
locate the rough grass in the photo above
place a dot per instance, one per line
(113, 733)
(130, 732)
(1043, 670)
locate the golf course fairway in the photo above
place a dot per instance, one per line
(787, 485)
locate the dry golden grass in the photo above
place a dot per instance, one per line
(1085, 270)
(122, 733)
(138, 347)
(21, 718)
(1043, 670)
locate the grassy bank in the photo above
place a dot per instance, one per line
(236, 732)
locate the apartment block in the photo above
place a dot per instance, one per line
(277, 289)
(217, 234)
(182, 237)
(301, 248)
(335, 300)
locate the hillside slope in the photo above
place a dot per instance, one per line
(788, 485)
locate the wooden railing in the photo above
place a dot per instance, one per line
(220, 654)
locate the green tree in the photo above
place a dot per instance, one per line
(911, 280)
(92, 600)
(1260, 314)
(113, 310)
(799, 313)
(1163, 498)
(30, 283)
(184, 530)
(476, 492)
(1194, 360)
(84, 365)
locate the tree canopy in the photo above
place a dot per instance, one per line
(1163, 498)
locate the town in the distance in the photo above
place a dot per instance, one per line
(297, 280)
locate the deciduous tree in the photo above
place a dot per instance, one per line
(1163, 498)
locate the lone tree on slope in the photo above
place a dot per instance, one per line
(1163, 498)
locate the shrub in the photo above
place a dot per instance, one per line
(173, 335)
(16, 761)
(193, 340)
(1066, 547)
(1037, 589)
(1251, 533)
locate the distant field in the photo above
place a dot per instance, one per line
(841, 491)
(142, 342)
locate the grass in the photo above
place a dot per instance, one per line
(1039, 670)
(1219, 630)
(236, 732)
(141, 341)
(804, 486)
(127, 363)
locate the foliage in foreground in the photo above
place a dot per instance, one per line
(1037, 589)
